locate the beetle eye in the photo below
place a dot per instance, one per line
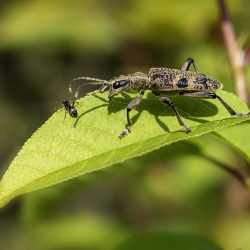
(119, 84)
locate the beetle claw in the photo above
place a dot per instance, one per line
(187, 129)
(125, 132)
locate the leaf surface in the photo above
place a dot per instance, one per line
(237, 136)
(60, 150)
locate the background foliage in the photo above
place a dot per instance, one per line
(43, 45)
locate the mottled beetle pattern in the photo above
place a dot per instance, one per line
(162, 82)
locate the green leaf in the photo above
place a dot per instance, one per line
(167, 241)
(237, 137)
(61, 150)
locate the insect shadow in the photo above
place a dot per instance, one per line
(190, 108)
(88, 111)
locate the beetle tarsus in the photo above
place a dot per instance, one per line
(187, 129)
(241, 115)
(125, 132)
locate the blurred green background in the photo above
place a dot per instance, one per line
(45, 44)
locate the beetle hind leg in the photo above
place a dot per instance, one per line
(206, 95)
(167, 101)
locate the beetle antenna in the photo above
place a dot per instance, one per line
(95, 81)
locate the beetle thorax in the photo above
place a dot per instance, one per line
(139, 80)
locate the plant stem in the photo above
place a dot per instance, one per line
(237, 57)
(241, 176)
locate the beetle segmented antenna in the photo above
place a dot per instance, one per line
(95, 81)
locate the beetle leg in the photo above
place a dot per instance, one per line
(170, 103)
(214, 96)
(188, 63)
(133, 104)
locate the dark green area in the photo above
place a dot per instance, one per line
(167, 241)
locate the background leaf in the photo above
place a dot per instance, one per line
(167, 241)
(62, 150)
(237, 137)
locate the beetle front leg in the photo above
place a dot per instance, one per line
(133, 104)
(170, 103)
(188, 63)
(206, 95)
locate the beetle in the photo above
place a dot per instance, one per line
(162, 82)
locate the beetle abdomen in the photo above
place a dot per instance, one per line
(164, 79)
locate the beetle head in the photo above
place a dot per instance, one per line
(119, 84)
